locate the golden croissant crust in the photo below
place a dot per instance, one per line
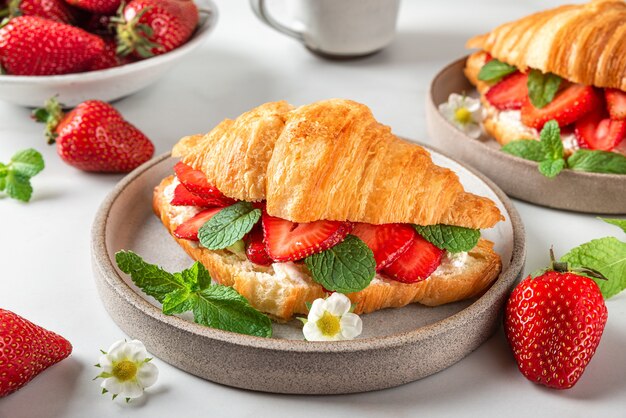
(332, 160)
(583, 43)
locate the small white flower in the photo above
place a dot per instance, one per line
(331, 320)
(126, 370)
(464, 112)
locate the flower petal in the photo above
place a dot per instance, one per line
(472, 104)
(131, 389)
(351, 326)
(116, 351)
(312, 332)
(112, 385)
(147, 374)
(338, 304)
(456, 100)
(105, 363)
(317, 310)
(136, 351)
(472, 130)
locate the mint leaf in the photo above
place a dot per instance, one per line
(177, 302)
(551, 140)
(542, 88)
(455, 239)
(223, 308)
(617, 222)
(528, 149)
(18, 186)
(153, 280)
(494, 70)
(346, 267)
(195, 277)
(606, 255)
(28, 162)
(3, 183)
(550, 168)
(228, 226)
(597, 161)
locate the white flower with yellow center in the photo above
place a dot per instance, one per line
(127, 370)
(464, 112)
(331, 320)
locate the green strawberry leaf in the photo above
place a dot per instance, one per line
(494, 70)
(621, 223)
(455, 239)
(347, 267)
(551, 168)
(596, 161)
(27, 163)
(551, 141)
(153, 280)
(222, 307)
(528, 149)
(542, 88)
(228, 226)
(605, 255)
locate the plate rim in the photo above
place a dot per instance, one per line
(496, 152)
(102, 261)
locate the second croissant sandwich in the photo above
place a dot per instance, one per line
(566, 64)
(287, 204)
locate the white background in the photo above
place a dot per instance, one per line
(45, 271)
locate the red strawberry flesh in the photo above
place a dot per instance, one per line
(26, 350)
(415, 264)
(616, 103)
(553, 324)
(196, 182)
(289, 241)
(568, 106)
(189, 229)
(256, 251)
(597, 131)
(510, 93)
(387, 241)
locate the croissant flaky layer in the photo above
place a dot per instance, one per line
(331, 160)
(582, 43)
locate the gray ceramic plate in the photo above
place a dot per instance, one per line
(571, 190)
(434, 338)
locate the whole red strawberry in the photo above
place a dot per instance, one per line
(36, 46)
(26, 350)
(108, 58)
(56, 10)
(553, 323)
(95, 137)
(97, 6)
(152, 27)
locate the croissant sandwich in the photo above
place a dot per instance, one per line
(566, 64)
(287, 204)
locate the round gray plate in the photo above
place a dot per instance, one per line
(433, 338)
(571, 190)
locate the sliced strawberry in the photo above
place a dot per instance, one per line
(195, 181)
(597, 131)
(616, 103)
(417, 263)
(510, 93)
(567, 107)
(189, 229)
(183, 197)
(289, 241)
(387, 241)
(256, 250)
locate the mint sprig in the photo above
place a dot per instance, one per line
(596, 161)
(15, 176)
(542, 87)
(606, 256)
(454, 239)
(213, 305)
(228, 226)
(494, 70)
(528, 149)
(347, 267)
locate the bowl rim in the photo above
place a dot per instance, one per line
(102, 262)
(496, 152)
(205, 27)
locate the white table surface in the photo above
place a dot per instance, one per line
(45, 270)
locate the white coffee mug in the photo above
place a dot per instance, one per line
(338, 28)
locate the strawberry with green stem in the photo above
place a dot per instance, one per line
(55, 10)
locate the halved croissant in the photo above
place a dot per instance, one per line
(582, 43)
(332, 160)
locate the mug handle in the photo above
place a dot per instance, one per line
(260, 9)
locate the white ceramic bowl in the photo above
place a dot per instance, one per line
(106, 85)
